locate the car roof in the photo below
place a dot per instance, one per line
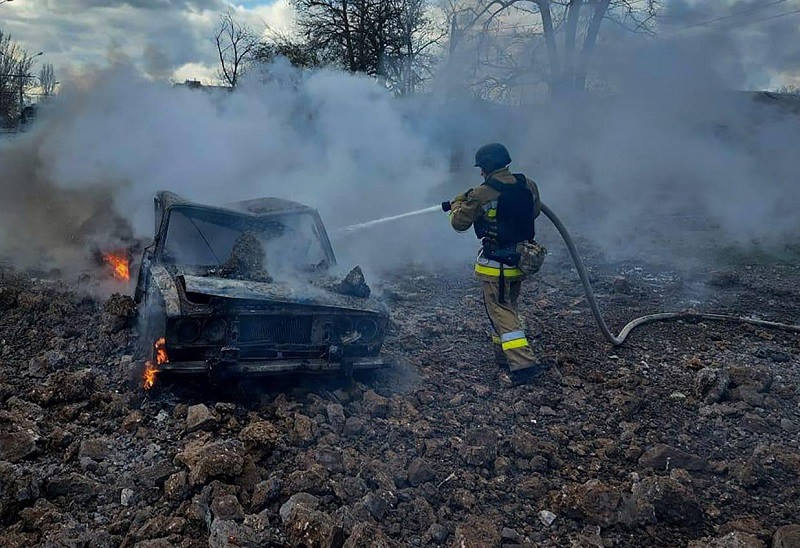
(255, 207)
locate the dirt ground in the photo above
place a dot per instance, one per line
(686, 436)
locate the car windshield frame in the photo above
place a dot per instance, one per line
(217, 215)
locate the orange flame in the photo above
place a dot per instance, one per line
(149, 375)
(161, 351)
(119, 265)
(150, 369)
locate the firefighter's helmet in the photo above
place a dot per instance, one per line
(492, 157)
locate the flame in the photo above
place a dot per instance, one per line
(119, 265)
(151, 369)
(161, 351)
(149, 375)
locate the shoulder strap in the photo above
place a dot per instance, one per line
(497, 185)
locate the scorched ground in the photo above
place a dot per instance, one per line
(688, 435)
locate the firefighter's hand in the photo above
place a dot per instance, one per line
(446, 206)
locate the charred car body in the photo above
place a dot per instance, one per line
(244, 290)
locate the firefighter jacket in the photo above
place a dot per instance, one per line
(479, 203)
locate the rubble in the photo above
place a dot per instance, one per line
(433, 453)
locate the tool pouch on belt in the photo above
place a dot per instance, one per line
(507, 255)
(531, 256)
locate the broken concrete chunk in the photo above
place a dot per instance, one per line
(199, 417)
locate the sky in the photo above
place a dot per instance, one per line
(172, 39)
(165, 39)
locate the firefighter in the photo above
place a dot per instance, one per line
(502, 212)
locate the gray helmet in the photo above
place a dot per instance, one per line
(492, 157)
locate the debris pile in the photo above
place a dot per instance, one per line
(687, 436)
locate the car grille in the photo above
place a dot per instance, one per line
(275, 329)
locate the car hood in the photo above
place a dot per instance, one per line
(301, 294)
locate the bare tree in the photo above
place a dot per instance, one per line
(388, 39)
(277, 44)
(47, 79)
(15, 80)
(568, 30)
(411, 55)
(235, 43)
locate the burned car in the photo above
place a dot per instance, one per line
(246, 289)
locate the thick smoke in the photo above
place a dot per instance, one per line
(670, 147)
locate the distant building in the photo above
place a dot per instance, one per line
(197, 84)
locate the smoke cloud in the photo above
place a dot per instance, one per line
(672, 145)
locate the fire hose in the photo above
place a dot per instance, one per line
(615, 340)
(650, 318)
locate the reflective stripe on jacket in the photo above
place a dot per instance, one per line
(487, 268)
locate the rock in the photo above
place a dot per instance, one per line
(419, 471)
(265, 492)
(259, 435)
(224, 408)
(127, 497)
(66, 387)
(787, 536)
(199, 417)
(547, 517)
(437, 533)
(527, 445)
(378, 503)
(477, 532)
(734, 539)
(509, 535)
(756, 376)
(209, 460)
(593, 501)
(227, 507)
(155, 474)
(287, 507)
(664, 457)
(353, 426)
(132, 421)
(17, 446)
(660, 498)
(365, 535)
(95, 448)
(375, 404)
(335, 416)
(330, 458)
(481, 447)
(119, 311)
(710, 384)
(620, 284)
(72, 485)
(176, 487)
(303, 428)
(313, 529)
(229, 534)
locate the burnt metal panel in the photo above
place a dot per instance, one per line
(275, 366)
(166, 285)
(279, 292)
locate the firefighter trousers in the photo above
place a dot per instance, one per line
(509, 336)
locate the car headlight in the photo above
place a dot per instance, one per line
(368, 329)
(214, 330)
(188, 330)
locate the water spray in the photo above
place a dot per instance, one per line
(587, 287)
(369, 224)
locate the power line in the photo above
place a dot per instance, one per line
(736, 14)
